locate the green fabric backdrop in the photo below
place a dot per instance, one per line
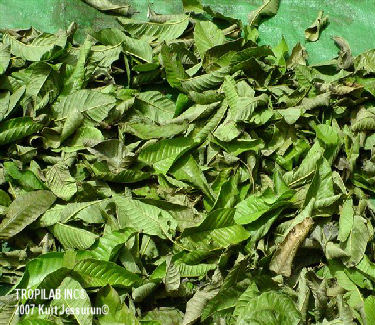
(352, 19)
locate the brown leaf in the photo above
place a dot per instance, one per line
(312, 32)
(282, 260)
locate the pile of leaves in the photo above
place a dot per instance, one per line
(180, 173)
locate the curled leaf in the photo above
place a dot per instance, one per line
(282, 260)
(313, 32)
(345, 59)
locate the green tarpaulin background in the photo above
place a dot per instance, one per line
(352, 19)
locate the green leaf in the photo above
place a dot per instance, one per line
(281, 51)
(24, 210)
(60, 182)
(197, 270)
(90, 104)
(229, 193)
(327, 134)
(77, 78)
(184, 161)
(205, 81)
(98, 273)
(321, 189)
(346, 220)
(245, 298)
(187, 169)
(270, 308)
(367, 267)
(118, 312)
(206, 36)
(144, 217)
(212, 124)
(365, 61)
(174, 69)
(172, 277)
(166, 315)
(230, 91)
(73, 237)
(150, 31)
(370, 309)
(4, 58)
(154, 106)
(8, 310)
(137, 48)
(38, 268)
(355, 298)
(26, 179)
(42, 47)
(365, 121)
(75, 304)
(256, 205)
(357, 241)
(35, 79)
(152, 131)
(192, 5)
(107, 246)
(308, 164)
(87, 211)
(196, 304)
(101, 171)
(299, 148)
(217, 231)
(291, 114)
(161, 155)
(12, 102)
(230, 291)
(17, 128)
